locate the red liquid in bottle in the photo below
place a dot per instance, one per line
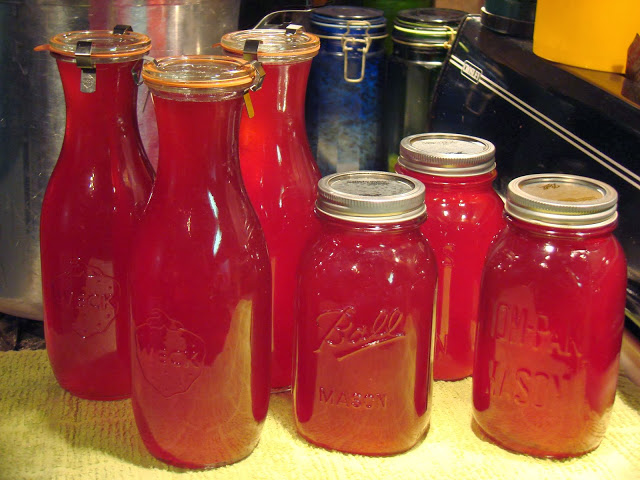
(364, 327)
(280, 175)
(550, 328)
(93, 201)
(464, 215)
(201, 287)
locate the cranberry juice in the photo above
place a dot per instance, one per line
(280, 176)
(464, 215)
(550, 326)
(94, 198)
(364, 323)
(201, 292)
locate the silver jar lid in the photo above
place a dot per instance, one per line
(560, 200)
(371, 197)
(447, 154)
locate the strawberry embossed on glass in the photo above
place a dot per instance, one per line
(91, 208)
(200, 277)
(551, 317)
(364, 317)
(278, 170)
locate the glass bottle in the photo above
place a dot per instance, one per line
(465, 214)
(551, 318)
(364, 317)
(421, 38)
(91, 208)
(346, 85)
(278, 170)
(200, 278)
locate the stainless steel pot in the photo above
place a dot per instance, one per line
(32, 109)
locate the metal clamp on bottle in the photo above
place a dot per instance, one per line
(86, 66)
(350, 44)
(250, 53)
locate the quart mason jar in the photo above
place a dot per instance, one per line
(278, 170)
(465, 214)
(346, 85)
(551, 318)
(200, 278)
(421, 38)
(364, 317)
(91, 208)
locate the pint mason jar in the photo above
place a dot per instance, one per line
(465, 214)
(551, 317)
(362, 370)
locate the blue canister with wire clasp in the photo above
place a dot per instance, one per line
(344, 105)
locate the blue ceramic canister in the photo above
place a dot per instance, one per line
(344, 106)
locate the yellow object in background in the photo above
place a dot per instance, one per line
(586, 33)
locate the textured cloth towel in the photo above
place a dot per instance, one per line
(45, 433)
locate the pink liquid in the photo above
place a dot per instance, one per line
(464, 215)
(364, 323)
(201, 295)
(550, 328)
(91, 208)
(281, 175)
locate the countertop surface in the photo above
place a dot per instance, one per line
(46, 433)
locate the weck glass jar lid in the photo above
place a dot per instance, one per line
(287, 45)
(101, 46)
(201, 73)
(567, 201)
(371, 197)
(447, 154)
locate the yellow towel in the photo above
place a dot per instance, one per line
(45, 433)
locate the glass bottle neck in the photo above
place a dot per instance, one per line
(198, 141)
(282, 96)
(112, 103)
(338, 224)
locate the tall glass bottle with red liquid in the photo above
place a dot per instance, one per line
(364, 314)
(91, 207)
(278, 169)
(465, 214)
(551, 318)
(200, 278)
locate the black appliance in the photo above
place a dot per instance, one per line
(547, 117)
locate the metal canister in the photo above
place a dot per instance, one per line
(344, 106)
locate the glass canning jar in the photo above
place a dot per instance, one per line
(551, 317)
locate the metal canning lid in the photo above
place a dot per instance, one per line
(106, 46)
(276, 45)
(560, 200)
(204, 73)
(426, 27)
(447, 154)
(371, 197)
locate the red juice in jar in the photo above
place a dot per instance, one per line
(465, 214)
(362, 370)
(278, 170)
(95, 196)
(551, 318)
(200, 279)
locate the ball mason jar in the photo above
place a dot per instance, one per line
(362, 370)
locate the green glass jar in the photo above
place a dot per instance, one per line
(421, 40)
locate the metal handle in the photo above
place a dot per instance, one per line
(346, 41)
